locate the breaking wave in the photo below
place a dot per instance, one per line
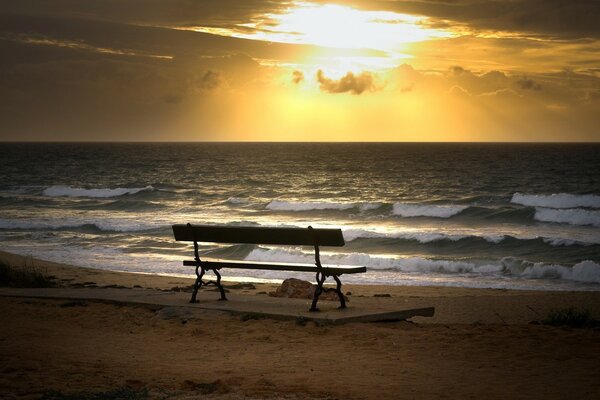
(573, 216)
(469, 212)
(426, 210)
(68, 191)
(560, 200)
(430, 237)
(78, 225)
(238, 200)
(281, 205)
(421, 237)
(585, 271)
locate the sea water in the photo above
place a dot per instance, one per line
(522, 216)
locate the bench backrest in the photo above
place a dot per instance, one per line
(258, 235)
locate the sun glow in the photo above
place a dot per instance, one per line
(335, 26)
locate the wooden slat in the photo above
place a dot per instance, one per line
(333, 269)
(258, 235)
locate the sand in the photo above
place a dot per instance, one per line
(481, 343)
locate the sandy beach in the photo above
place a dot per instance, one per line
(480, 343)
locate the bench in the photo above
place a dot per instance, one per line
(269, 236)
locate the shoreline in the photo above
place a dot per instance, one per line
(79, 274)
(454, 305)
(20, 260)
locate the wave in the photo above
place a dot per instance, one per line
(281, 205)
(421, 237)
(584, 271)
(85, 226)
(573, 216)
(426, 210)
(369, 206)
(527, 215)
(68, 191)
(467, 212)
(429, 237)
(560, 200)
(238, 200)
(128, 205)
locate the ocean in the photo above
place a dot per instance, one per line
(517, 216)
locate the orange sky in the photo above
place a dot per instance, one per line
(467, 70)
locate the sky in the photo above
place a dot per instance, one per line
(255, 70)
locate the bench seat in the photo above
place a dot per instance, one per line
(214, 263)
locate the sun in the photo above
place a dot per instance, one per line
(372, 39)
(330, 25)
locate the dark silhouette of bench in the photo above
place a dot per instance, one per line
(262, 235)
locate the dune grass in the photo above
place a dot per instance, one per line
(571, 317)
(23, 277)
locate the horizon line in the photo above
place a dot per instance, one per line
(284, 141)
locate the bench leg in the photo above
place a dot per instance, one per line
(318, 291)
(197, 284)
(223, 297)
(338, 289)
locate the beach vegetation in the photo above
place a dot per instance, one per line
(28, 276)
(571, 317)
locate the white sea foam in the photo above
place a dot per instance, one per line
(283, 255)
(68, 191)
(280, 205)
(428, 237)
(238, 200)
(562, 242)
(494, 238)
(572, 216)
(370, 206)
(585, 271)
(411, 264)
(421, 237)
(560, 200)
(425, 210)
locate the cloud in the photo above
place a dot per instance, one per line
(210, 80)
(459, 91)
(502, 93)
(458, 70)
(556, 18)
(349, 83)
(297, 76)
(528, 84)
(149, 12)
(77, 45)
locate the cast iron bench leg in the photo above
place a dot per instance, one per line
(318, 291)
(197, 284)
(338, 289)
(218, 283)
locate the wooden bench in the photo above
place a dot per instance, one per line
(261, 235)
